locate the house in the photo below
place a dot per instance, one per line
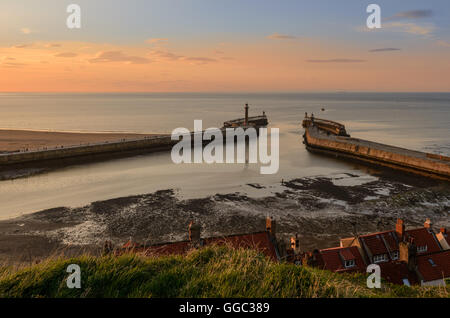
(263, 241)
(434, 268)
(341, 259)
(408, 257)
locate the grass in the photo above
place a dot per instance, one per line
(210, 272)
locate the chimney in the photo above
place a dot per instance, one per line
(271, 225)
(408, 252)
(443, 230)
(295, 244)
(195, 234)
(427, 224)
(246, 115)
(400, 229)
(312, 258)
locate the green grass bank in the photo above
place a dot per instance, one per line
(210, 272)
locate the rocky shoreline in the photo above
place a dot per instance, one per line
(320, 210)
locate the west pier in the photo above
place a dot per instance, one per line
(111, 149)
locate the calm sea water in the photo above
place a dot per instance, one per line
(413, 120)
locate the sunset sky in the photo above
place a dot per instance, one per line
(224, 46)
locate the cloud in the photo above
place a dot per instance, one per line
(165, 55)
(336, 61)
(25, 31)
(13, 64)
(413, 14)
(22, 46)
(53, 45)
(169, 56)
(278, 36)
(118, 56)
(410, 27)
(157, 41)
(199, 60)
(443, 43)
(67, 54)
(385, 49)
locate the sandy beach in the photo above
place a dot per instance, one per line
(19, 140)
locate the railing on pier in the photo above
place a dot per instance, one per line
(258, 120)
(330, 126)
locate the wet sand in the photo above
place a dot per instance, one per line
(320, 209)
(19, 140)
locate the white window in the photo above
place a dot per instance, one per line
(395, 255)
(421, 249)
(350, 263)
(380, 258)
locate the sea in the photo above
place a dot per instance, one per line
(419, 121)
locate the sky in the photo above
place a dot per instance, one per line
(224, 46)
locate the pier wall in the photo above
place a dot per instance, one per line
(378, 153)
(150, 144)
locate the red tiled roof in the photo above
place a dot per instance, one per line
(391, 240)
(346, 254)
(440, 269)
(176, 248)
(396, 272)
(424, 237)
(333, 259)
(261, 241)
(375, 242)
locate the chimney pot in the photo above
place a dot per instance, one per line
(427, 223)
(271, 225)
(443, 230)
(295, 244)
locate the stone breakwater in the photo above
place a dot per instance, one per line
(155, 143)
(321, 140)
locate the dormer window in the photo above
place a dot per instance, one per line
(350, 263)
(422, 249)
(380, 258)
(395, 255)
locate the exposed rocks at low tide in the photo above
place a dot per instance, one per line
(320, 209)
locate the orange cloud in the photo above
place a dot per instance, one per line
(278, 36)
(67, 54)
(118, 56)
